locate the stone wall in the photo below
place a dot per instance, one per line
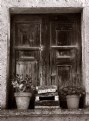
(5, 6)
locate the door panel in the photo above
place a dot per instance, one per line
(65, 44)
(26, 46)
(28, 34)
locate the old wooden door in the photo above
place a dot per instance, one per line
(48, 47)
(65, 44)
(31, 48)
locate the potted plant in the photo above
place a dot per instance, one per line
(72, 94)
(23, 87)
(72, 91)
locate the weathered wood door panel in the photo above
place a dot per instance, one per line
(28, 33)
(26, 46)
(65, 43)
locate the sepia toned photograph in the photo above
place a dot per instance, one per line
(44, 60)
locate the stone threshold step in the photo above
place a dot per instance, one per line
(43, 112)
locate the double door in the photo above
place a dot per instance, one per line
(47, 47)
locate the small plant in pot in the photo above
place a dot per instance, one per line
(72, 94)
(23, 87)
(72, 91)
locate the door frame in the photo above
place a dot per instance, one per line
(45, 10)
(48, 10)
(53, 10)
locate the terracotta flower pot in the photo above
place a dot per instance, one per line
(22, 99)
(73, 101)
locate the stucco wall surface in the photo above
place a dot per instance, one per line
(5, 35)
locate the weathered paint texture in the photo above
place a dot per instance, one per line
(5, 6)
